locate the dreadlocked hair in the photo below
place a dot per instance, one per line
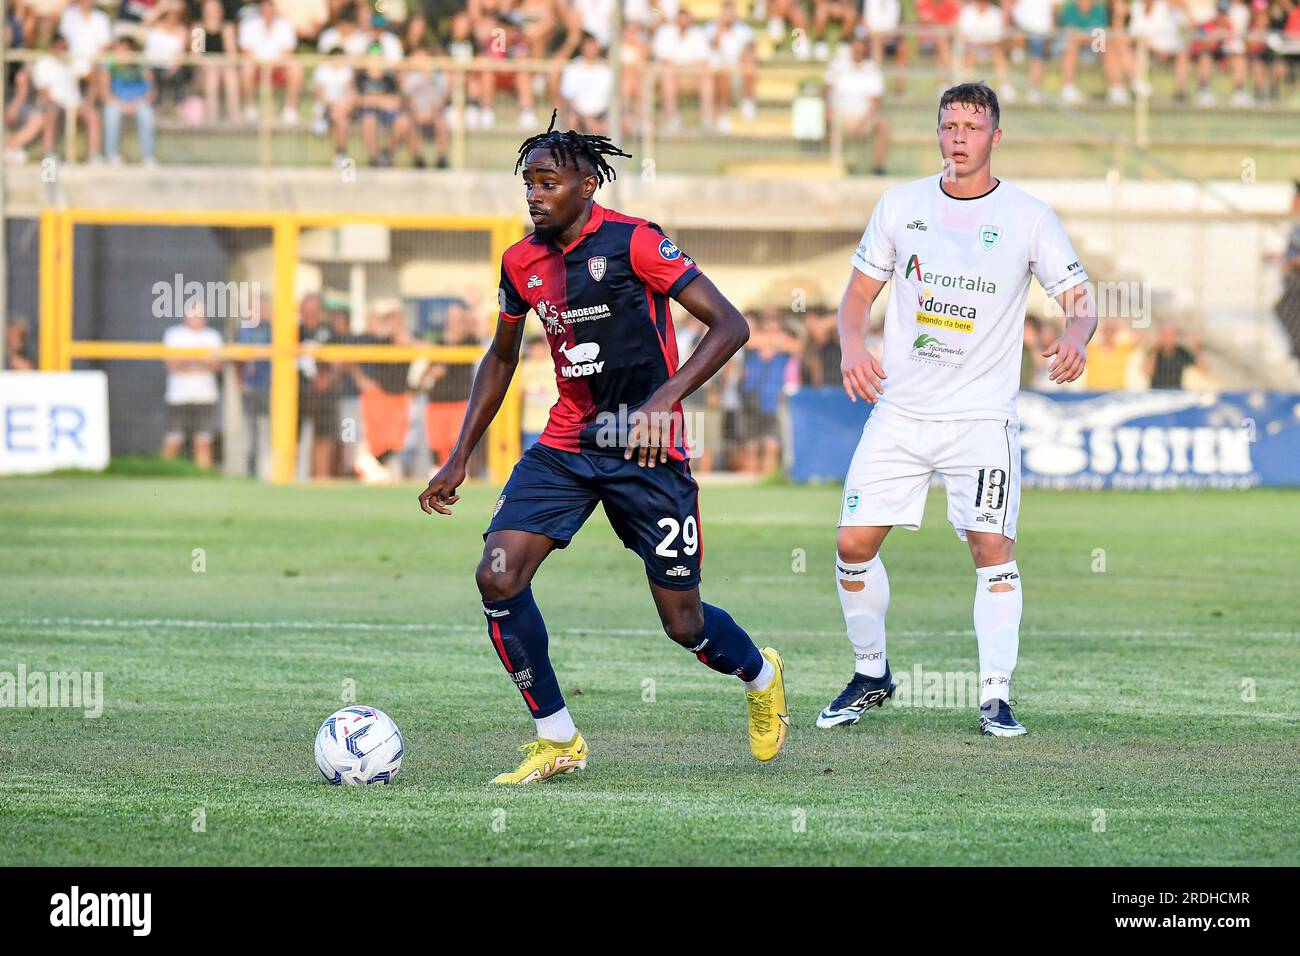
(571, 146)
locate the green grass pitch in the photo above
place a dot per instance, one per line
(1161, 694)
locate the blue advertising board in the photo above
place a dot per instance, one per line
(1134, 440)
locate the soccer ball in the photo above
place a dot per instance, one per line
(359, 745)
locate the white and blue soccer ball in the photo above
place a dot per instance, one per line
(359, 745)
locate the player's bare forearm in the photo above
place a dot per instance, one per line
(1071, 349)
(727, 333)
(854, 317)
(652, 435)
(491, 382)
(862, 374)
(1080, 313)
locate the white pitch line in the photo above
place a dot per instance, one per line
(435, 627)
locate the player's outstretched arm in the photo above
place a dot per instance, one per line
(491, 382)
(727, 331)
(1071, 349)
(862, 373)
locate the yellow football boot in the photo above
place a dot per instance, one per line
(769, 718)
(546, 759)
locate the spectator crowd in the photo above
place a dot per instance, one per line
(385, 420)
(369, 68)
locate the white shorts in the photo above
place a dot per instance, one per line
(889, 477)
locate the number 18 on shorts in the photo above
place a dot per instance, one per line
(897, 456)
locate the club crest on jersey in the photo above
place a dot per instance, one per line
(550, 315)
(596, 266)
(669, 250)
(989, 236)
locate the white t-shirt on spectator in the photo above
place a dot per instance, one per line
(882, 16)
(304, 15)
(388, 43)
(425, 91)
(730, 45)
(357, 43)
(649, 12)
(354, 44)
(87, 34)
(587, 87)
(265, 41)
(1200, 11)
(185, 388)
(333, 81)
(1239, 17)
(673, 46)
(163, 47)
(1033, 16)
(1157, 24)
(980, 26)
(597, 17)
(854, 86)
(57, 80)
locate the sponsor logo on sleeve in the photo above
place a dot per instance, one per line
(668, 249)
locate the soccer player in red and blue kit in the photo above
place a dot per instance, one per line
(600, 282)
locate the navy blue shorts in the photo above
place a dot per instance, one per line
(654, 511)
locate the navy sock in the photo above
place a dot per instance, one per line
(518, 633)
(724, 646)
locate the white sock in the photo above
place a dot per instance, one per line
(864, 611)
(764, 679)
(997, 628)
(557, 728)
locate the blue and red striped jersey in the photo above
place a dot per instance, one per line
(603, 301)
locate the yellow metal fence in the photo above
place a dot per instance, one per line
(58, 347)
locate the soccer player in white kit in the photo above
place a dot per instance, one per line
(960, 248)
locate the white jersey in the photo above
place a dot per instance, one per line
(954, 324)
